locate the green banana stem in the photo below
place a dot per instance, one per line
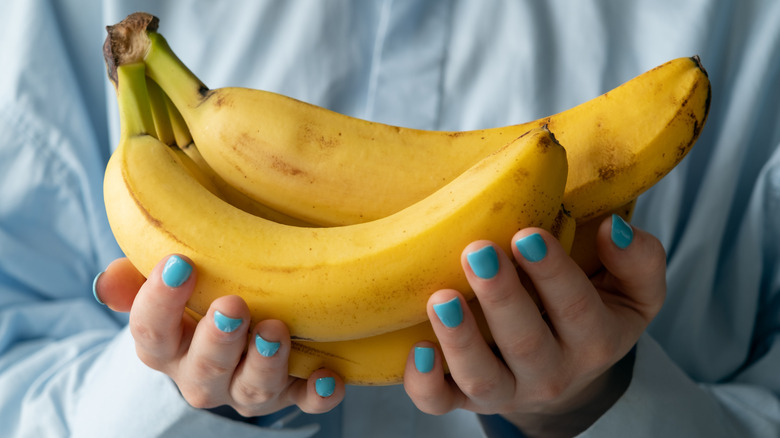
(181, 132)
(162, 120)
(134, 108)
(178, 81)
(135, 39)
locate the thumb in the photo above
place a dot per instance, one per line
(117, 286)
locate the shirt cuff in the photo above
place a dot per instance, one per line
(661, 400)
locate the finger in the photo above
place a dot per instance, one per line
(573, 306)
(320, 393)
(157, 320)
(426, 384)
(474, 367)
(217, 345)
(262, 376)
(117, 286)
(518, 328)
(635, 263)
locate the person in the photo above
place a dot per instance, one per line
(677, 338)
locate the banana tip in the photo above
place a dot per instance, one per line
(696, 59)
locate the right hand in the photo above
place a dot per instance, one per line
(207, 363)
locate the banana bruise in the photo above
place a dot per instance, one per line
(332, 169)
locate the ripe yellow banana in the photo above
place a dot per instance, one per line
(171, 130)
(381, 359)
(324, 283)
(332, 169)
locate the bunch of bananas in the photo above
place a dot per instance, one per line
(341, 227)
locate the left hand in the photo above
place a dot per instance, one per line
(552, 373)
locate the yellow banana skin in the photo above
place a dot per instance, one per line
(328, 283)
(331, 169)
(171, 130)
(380, 360)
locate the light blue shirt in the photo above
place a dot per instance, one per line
(709, 364)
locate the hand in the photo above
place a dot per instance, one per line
(206, 358)
(552, 373)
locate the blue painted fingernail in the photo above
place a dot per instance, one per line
(325, 386)
(484, 262)
(94, 288)
(423, 359)
(176, 271)
(622, 233)
(532, 247)
(266, 348)
(450, 313)
(226, 323)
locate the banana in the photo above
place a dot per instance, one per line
(331, 283)
(171, 130)
(331, 169)
(377, 360)
(381, 359)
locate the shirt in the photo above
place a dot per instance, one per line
(709, 364)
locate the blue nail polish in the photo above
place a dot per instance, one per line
(450, 313)
(94, 288)
(226, 323)
(325, 386)
(266, 348)
(176, 271)
(484, 262)
(532, 247)
(423, 359)
(622, 233)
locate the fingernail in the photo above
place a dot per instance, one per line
(532, 247)
(176, 271)
(450, 313)
(423, 359)
(226, 323)
(266, 348)
(94, 288)
(622, 233)
(325, 386)
(484, 262)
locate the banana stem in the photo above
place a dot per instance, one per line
(135, 114)
(162, 121)
(180, 130)
(135, 39)
(179, 82)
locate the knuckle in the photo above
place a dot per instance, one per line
(197, 398)
(656, 260)
(145, 335)
(207, 368)
(248, 394)
(573, 310)
(524, 348)
(498, 298)
(547, 391)
(550, 392)
(429, 402)
(602, 351)
(481, 388)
